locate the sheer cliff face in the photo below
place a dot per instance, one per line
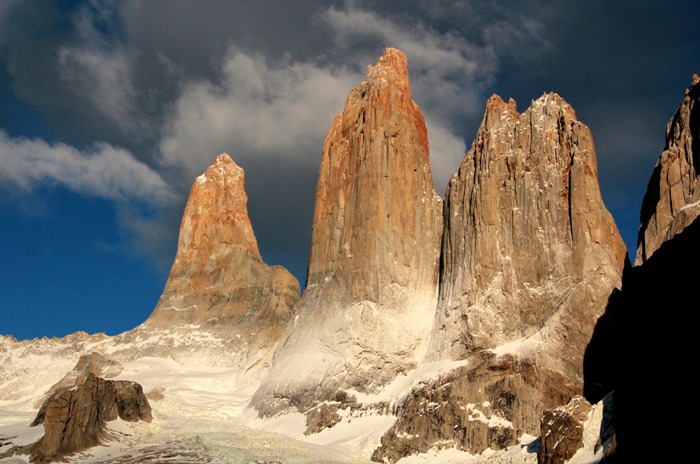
(376, 206)
(672, 200)
(373, 272)
(526, 231)
(530, 258)
(218, 281)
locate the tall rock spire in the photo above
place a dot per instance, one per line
(373, 271)
(219, 281)
(530, 257)
(526, 230)
(672, 200)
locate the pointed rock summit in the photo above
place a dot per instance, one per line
(527, 236)
(219, 281)
(530, 256)
(372, 278)
(672, 200)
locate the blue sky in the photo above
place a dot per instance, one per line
(109, 110)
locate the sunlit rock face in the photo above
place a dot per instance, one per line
(219, 283)
(672, 200)
(372, 281)
(530, 256)
(527, 236)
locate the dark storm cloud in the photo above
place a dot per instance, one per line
(32, 36)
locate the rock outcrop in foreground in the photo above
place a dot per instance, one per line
(672, 200)
(219, 284)
(372, 280)
(530, 256)
(75, 418)
(562, 431)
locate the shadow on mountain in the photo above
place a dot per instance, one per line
(640, 350)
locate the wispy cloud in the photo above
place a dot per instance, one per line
(103, 171)
(104, 77)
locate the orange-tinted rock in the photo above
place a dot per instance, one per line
(219, 282)
(75, 418)
(372, 279)
(672, 200)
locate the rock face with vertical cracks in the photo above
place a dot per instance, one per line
(672, 200)
(219, 283)
(372, 281)
(562, 431)
(527, 236)
(530, 256)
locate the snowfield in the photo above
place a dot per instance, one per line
(201, 414)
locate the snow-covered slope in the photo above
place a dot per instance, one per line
(201, 412)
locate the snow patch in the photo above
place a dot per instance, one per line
(204, 414)
(402, 385)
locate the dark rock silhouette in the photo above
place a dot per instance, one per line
(637, 344)
(630, 350)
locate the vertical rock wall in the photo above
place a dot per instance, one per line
(530, 256)
(372, 281)
(672, 200)
(527, 236)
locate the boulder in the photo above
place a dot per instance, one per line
(75, 418)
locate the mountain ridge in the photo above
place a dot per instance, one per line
(433, 325)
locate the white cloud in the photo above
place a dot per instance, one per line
(105, 171)
(258, 110)
(446, 152)
(443, 54)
